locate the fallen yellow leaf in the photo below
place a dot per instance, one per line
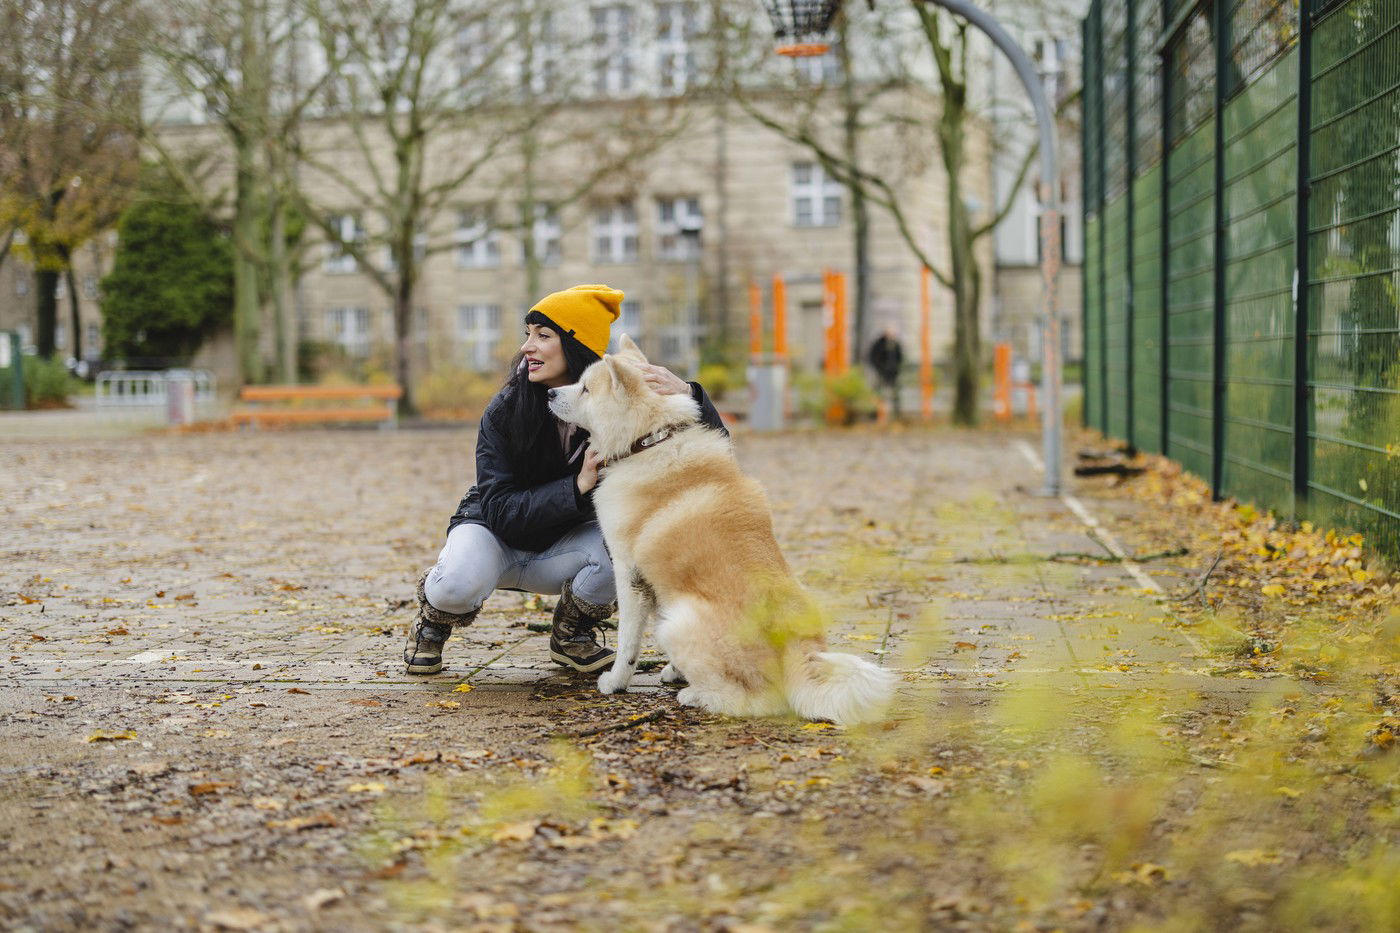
(462, 688)
(514, 832)
(100, 736)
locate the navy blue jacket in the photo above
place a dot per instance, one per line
(530, 505)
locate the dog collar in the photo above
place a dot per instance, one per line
(648, 441)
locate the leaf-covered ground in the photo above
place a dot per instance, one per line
(204, 724)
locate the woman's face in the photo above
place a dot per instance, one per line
(544, 355)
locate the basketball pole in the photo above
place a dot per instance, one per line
(1052, 418)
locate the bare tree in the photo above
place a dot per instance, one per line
(67, 85)
(435, 95)
(238, 66)
(946, 45)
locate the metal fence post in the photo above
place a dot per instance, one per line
(1164, 245)
(1130, 76)
(1084, 196)
(1103, 226)
(1217, 427)
(1301, 397)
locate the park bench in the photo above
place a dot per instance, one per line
(288, 404)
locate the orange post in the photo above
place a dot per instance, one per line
(1002, 397)
(779, 317)
(755, 320)
(835, 411)
(926, 342)
(843, 340)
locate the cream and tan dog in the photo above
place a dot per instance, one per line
(691, 539)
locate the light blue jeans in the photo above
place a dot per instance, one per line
(474, 562)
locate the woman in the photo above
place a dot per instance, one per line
(528, 523)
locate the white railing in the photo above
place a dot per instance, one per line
(148, 392)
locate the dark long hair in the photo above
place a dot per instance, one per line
(528, 422)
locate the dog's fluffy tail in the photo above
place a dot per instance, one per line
(840, 687)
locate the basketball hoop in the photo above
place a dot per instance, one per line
(801, 26)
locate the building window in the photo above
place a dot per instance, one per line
(549, 250)
(90, 286)
(678, 226)
(60, 337)
(94, 337)
(819, 69)
(21, 284)
(539, 66)
(816, 198)
(472, 54)
(615, 232)
(479, 333)
(678, 342)
(478, 241)
(349, 328)
(420, 253)
(676, 27)
(612, 49)
(338, 261)
(629, 322)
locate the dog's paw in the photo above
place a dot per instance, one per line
(670, 674)
(608, 683)
(700, 699)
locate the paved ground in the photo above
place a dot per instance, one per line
(205, 723)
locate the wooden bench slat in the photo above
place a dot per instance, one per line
(307, 415)
(284, 393)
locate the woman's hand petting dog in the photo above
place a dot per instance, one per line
(588, 476)
(663, 381)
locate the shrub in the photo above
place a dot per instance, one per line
(47, 383)
(451, 393)
(171, 283)
(717, 378)
(821, 395)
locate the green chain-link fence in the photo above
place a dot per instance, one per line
(1242, 247)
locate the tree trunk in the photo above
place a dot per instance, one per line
(860, 213)
(247, 219)
(967, 337)
(721, 291)
(277, 287)
(46, 300)
(76, 346)
(247, 310)
(527, 215)
(403, 315)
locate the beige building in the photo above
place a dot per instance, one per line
(683, 239)
(722, 202)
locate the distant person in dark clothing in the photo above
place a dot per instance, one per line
(886, 357)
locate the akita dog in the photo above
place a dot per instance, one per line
(691, 539)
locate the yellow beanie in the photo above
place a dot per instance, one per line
(585, 312)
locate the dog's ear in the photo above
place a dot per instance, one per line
(625, 347)
(624, 376)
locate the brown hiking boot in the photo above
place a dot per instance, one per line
(573, 641)
(428, 631)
